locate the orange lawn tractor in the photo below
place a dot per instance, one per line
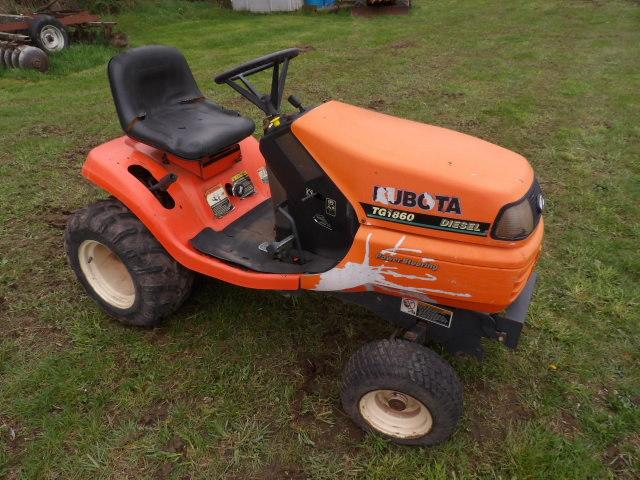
(433, 230)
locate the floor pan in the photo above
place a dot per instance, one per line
(238, 244)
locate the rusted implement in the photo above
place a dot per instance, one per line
(49, 29)
(16, 55)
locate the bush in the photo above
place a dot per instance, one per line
(106, 6)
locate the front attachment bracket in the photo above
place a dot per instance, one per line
(464, 331)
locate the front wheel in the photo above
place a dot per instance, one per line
(122, 266)
(403, 391)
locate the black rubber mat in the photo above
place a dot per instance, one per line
(238, 244)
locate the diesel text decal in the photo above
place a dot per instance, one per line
(468, 227)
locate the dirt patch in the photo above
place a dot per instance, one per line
(344, 427)
(156, 414)
(567, 425)
(316, 406)
(49, 131)
(317, 372)
(496, 410)
(306, 48)
(77, 154)
(15, 439)
(277, 470)
(377, 104)
(452, 95)
(618, 462)
(612, 457)
(131, 437)
(322, 427)
(331, 436)
(164, 471)
(32, 334)
(603, 399)
(618, 459)
(403, 44)
(176, 445)
(57, 217)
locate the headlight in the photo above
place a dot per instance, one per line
(517, 220)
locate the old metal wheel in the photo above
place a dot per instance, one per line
(52, 38)
(48, 33)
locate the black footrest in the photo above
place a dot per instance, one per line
(239, 242)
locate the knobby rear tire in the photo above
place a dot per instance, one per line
(160, 283)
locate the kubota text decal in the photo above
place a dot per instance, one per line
(424, 200)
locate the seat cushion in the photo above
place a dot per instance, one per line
(192, 130)
(159, 103)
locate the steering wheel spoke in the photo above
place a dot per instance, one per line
(279, 61)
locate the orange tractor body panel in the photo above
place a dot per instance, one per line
(374, 159)
(473, 277)
(474, 272)
(107, 166)
(360, 149)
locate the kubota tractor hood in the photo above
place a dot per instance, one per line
(377, 159)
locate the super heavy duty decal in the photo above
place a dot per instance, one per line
(384, 276)
(425, 201)
(423, 220)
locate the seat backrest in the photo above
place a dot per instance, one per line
(147, 78)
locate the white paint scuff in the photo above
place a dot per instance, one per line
(353, 275)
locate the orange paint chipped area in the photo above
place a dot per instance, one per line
(482, 278)
(107, 165)
(360, 149)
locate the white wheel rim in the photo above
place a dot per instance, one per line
(52, 38)
(106, 274)
(396, 414)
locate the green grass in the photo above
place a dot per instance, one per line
(244, 384)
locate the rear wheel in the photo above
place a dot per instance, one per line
(403, 391)
(122, 266)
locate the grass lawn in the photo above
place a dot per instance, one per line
(244, 384)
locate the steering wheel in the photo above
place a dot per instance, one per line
(257, 65)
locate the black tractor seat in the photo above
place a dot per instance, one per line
(159, 103)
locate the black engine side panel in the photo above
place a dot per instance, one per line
(326, 221)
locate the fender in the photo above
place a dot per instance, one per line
(107, 167)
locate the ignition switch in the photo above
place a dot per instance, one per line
(241, 185)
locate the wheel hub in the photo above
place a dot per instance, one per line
(397, 402)
(106, 274)
(52, 38)
(396, 414)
